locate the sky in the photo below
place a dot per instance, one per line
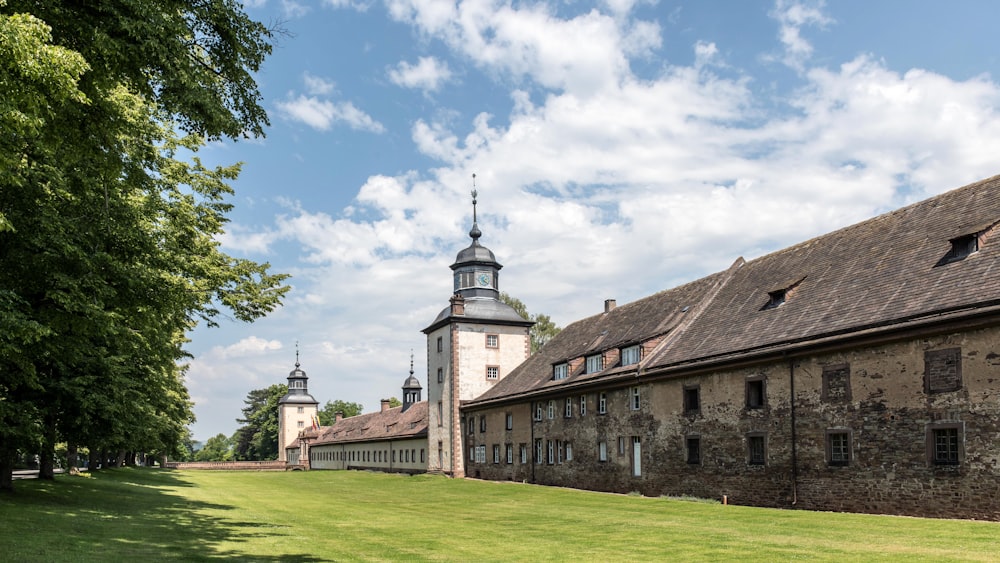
(620, 148)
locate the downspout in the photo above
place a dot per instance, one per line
(531, 444)
(795, 458)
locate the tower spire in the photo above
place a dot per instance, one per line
(296, 353)
(475, 233)
(411, 361)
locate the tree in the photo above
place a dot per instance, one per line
(217, 448)
(542, 331)
(108, 240)
(257, 439)
(327, 414)
(394, 402)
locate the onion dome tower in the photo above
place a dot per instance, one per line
(297, 409)
(411, 389)
(471, 345)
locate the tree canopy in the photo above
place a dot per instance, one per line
(542, 331)
(108, 236)
(257, 439)
(328, 414)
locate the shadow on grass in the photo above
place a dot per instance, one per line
(123, 513)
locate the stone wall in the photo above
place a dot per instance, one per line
(872, 432)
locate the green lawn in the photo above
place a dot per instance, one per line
(147, 514)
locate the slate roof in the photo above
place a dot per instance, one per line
(876, 275)
(390, 424)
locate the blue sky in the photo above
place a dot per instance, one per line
(621, 148)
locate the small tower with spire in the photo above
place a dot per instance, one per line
(471, 345)
(296, 410)
(411, 388)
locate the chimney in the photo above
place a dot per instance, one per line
(457, 305)
(338, 416)
(385, 405)
(609, 305)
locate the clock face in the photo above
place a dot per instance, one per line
(484, 279)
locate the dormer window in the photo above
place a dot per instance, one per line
(778, 296)
(630, 355)
(968, 244)
(961, 247)
(560, 371)
(595, 363)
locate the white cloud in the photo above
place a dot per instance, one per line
(793, 15)
(428, 74)
(323, 114)
(293, 9)
(318, 86)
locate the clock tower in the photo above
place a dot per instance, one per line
(471, 345)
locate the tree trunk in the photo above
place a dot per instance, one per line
(130, 459)
(6, 469)
(46, 457)
(71, 459)
(120, 458)
(94, 459)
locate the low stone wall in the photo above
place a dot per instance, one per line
(229, 465)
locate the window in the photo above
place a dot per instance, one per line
(472, 454)
(538, 450)
(630, 355)
(961, 247)
(440, 375)
(559, 451)
(510, 421)
(692, 399)
(602, 403)
(440, 414)
(693, 450)
(755, 449)
(775, 299)
(569, 408)
(837, 383)
(838, 447)
(621, 445)
(560, 371)
(755, 393)
(496, 453)
(301, 410)
(636, 456)
(602, 451)
(551, 450)
(440, 344)
(635, 403)
(422, 456)
(301, 424)
(595, 363)
(524, 453)
(552, 409)
(569, 451)
(482, 453)
(482, 423)
(944, 444)
(538, 410)
(510, 453)
(492, 372)
(472, 425)
(943, 370)
(492, 340)
(583, 405)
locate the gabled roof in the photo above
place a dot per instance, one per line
(634, 323)
(393, 424)
(876, 275)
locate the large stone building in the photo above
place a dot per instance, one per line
(857, 371)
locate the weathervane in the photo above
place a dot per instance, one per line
(296, 353)
(411, 361)
(474, 194)
(475, 232)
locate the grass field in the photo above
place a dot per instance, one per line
(148, 514)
